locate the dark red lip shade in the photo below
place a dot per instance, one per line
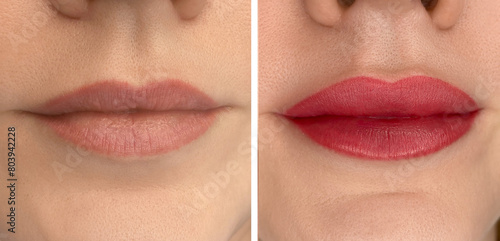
(378, 120)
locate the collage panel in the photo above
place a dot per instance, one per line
(379, 120)
(125, 120)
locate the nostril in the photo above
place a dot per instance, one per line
(71, 8)
(324, 12)
(346, 3)
(188, 9)
(429, 4)
(446, 13)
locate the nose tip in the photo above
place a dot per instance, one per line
(444, 13)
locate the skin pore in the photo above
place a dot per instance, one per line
(200, 191)
(307, 192)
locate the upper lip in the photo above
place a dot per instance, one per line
(415, 96)
(121, 97)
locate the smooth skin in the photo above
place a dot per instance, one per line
(198, 192)
(307, 192)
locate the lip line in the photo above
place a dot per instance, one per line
(384, 117)
(141, 111)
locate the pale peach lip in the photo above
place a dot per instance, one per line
(117, 119)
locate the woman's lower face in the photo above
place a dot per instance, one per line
(379, 120)
(89, 88)
(67, 192)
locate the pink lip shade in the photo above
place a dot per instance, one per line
(379, 120)
(117, 119)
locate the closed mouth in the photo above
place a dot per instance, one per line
(117, 119)
(374, 119)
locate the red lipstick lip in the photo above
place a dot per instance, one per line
(378, 120)
(117, 119)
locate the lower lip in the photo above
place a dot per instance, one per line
(131, 134)
(386, 139)
(386, 123)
